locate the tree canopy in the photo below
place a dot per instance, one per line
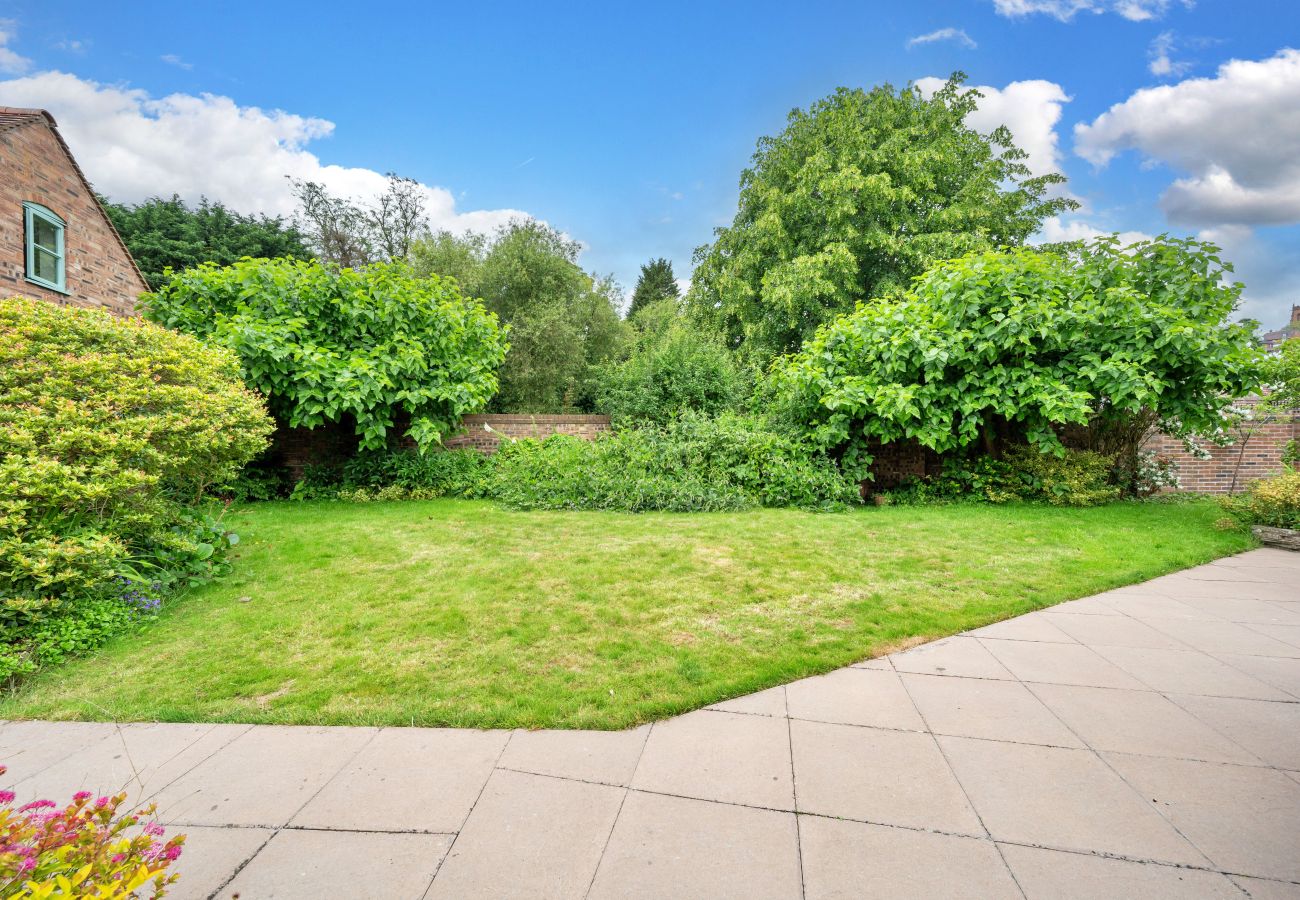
(1019, 346)
(330, 344)
(165, 234)
(859, 194)
(655, 283)
(562, 320)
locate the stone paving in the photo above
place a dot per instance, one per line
(1144, 742)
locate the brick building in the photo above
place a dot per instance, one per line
(56, 241)
(1272, 340)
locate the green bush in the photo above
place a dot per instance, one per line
(111, 430)
(398, 475)
(1077, 478)
(325, 343)
(694, 463)
(1274, 502)
(1021, 346)
(677, 372)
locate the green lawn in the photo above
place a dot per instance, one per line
(461, 613)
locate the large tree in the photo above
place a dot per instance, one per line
(862, 192)
(656, 283)
(165, 234)
(352, 233)
(563, 321)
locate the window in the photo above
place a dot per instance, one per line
(44, 247)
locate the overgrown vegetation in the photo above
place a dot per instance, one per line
(329, 345)
(111, 432)
(1016, 347)
(464, 614)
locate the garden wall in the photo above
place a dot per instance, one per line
(485, 431)
(1259, 457)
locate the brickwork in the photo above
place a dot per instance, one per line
(36, 166)
(484, 432)
(1260, 457)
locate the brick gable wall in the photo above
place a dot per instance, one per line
(99, 273)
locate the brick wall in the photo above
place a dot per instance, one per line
(1260, 457)
(34, 166)
(484, 432)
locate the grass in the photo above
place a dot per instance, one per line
(460, 613)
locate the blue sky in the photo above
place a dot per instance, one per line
(629, 129)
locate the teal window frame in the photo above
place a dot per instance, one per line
(31, 213)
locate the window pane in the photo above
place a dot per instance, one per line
(46, 265)
(46, 234)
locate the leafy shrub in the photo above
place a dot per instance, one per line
(324, 343)
(110, 429)
(1018, 346)
(398, 475)
(1274, 502)
(85, 849)
(1076, 478)
(681, 371)
(695, 463)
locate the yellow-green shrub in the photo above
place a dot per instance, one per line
(1273, 502)
(109, 429)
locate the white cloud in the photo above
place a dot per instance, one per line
(1162, 64)
(1065, 10)
(173, 60)
(944, 34)
(1235, 135)
(1030, 109)
(1058, 229)
(10, 62)
(133, 146)
(1269, 269)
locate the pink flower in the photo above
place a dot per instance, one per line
(101, 802)
(36, 804)
(6, 796)
(173, 853)
(80, 796)
(153, 829)
(27, 864)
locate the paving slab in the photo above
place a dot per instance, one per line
(1067, 799)
(530, 836)
(1269, 730)
(140, 759)
(668, 847)
(1188, 671)
(1053, 875)
(850, 860)
(263, 777)
(1031, 627)
(770, 702)
(1222, 636)
(1244, 819)
(407, 779)
(728, 757)
(1281, 672)
(854, 697)
(605, 757)
(211, 856)
(1116, 631)
(880, 776)
(1140, 722)
(994, 710)
(963, 657)
(29, 748)
(1059, 664)
(308, 865)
